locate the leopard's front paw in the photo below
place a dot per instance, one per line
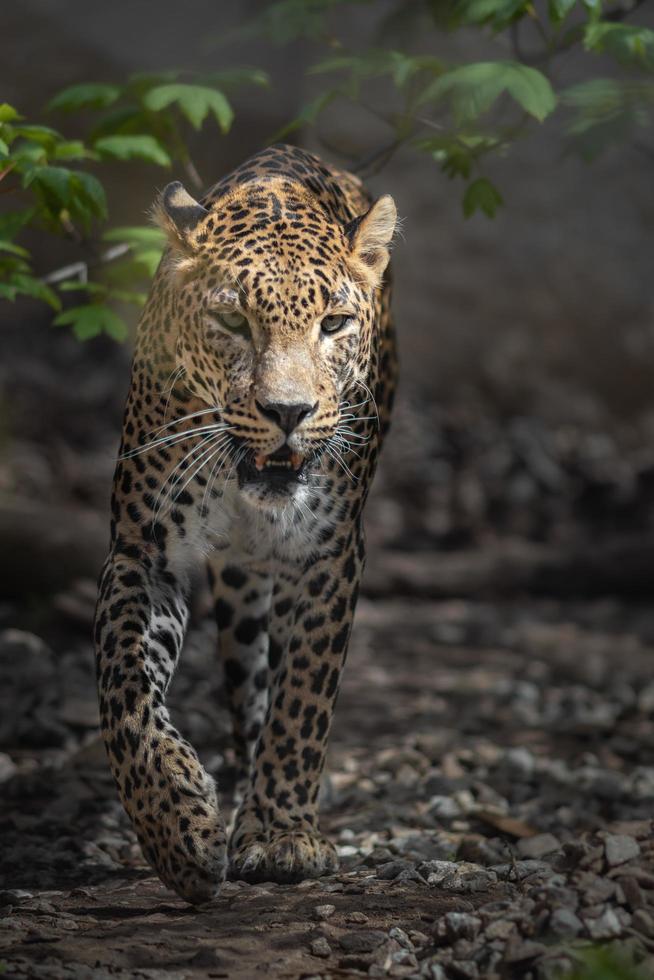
(183, 837)
(284, 857)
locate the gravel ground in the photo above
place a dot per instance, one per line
(490, 787)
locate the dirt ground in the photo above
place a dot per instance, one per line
(490, 788)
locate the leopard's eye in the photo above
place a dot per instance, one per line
(334, 322)
(233, 322)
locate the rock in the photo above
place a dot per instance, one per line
(461, 877)
(324, 911)
(500, 929)
(7, 767)
(464, 969)
(364, 941)
(390, 870)
(356, 917)
(643, 922)
(320, 947)
(432, 971)
(619, 849)
(444, 808)
(519, 870)
(400, 936)
(605, 926)
(538, 846)
(458, 925)
(565, 924)
(518, 951)
(403, 962)
(632, 892)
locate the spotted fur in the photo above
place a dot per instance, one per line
(261, 390)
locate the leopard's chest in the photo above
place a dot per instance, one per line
(305, 526)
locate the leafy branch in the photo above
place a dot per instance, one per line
(49, 183)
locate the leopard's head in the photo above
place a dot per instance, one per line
(273, 304)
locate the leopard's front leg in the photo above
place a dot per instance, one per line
(276, 835)
(170, 799)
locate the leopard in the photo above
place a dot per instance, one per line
(262, 383)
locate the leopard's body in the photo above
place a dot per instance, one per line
(261, 390)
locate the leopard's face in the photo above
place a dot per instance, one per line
(275, 313)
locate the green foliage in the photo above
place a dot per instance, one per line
(128, 147)
(605, 111)
(91, 320)
(472, 89)
(630, 45)
(459, 114)
(143, 119)
(606, 963)
(195, 102)
(481, 195)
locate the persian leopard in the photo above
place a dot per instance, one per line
(261, 390)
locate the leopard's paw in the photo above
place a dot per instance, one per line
(183, 838)
(285, 857)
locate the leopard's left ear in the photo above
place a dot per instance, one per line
(178, 215)
(370, 237)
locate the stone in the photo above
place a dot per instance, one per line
(458, 925)
(7, 767)
(565, 924)
(538, 846)
(390, 870)
(324, 911)
(643, 922)
(320, 947)
(619, 848)
(501, 929)
(605, 926)
(632, 892)
(400, 936)
(364, 941)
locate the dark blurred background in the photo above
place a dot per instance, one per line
(526, 341)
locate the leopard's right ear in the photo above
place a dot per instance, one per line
(178, 215)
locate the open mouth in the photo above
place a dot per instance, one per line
(282, 468)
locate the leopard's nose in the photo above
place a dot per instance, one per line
(287, 415)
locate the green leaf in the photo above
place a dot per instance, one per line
(136, 235)
(54, 183)
(4, 149)
(25, 284)
(71, 150)
(194, 101)
(234, 77)
(627, 43)
(497, 14)
(91, 320)
(607, 111)
(12, 222)
(43, 135)
(59, 188)
(472, 89)
(400, 66)
(147, 260)
(8, 113)
(559, 9)
(6, 246)
(91, 95)
(140, 147)
(89, 192)
(481, 195)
